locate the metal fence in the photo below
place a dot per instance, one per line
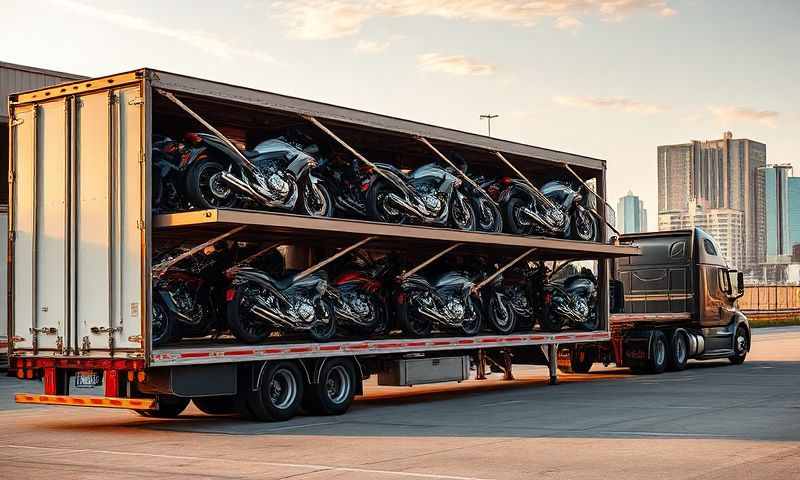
(771, 298)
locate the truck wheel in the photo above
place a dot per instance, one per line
(679, 351)
(740, 344)
(580, 361)
(280, 393)
(659, 350)
(169, 406)
(218, 405)
(334, 392)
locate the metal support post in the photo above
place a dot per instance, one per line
(507, 366)
(540, 195)
(162, 267)
(587, 187)
(256, 255)
(552, 361)
(429, 261)
(308, 271)
(480, 368)
(453, 166)
(502, 269)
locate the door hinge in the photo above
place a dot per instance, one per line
(44, 330)
(101, 330)
(16, 122)
(12, 235)
(85, 346)
(140, 224)
(60, 344)
(136, 101)
(12, 176)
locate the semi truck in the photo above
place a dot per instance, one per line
(83, 233)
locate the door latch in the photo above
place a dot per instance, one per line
(110, 332)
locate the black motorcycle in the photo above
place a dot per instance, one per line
(557, 210)
(348, 182)
(168, 175)
(275, 174)
(448, 303)
(429, 195)
(363, 287)
(259, 304)
(571, 302)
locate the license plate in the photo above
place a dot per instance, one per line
(88, 379)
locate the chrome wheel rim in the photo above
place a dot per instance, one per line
(337, 384)
(282, 389)
(680, 349)
(660, 353)
(315, 202)
(502, 315)
(583, 225)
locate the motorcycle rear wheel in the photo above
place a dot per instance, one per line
(472, 326)
(204, 186)
(501, 316)
(412, 322)
(462, 216)
(163, 324)
(315, 199)
(512, 220)
(377, 204)
(488, 217)
(245, 326)
(324, 323)
(551, 322)
(585, 226)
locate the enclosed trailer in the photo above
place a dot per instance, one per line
(82, 236)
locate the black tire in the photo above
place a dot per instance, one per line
(162, 324)
(462, 215)
(580, 361)
(325, 322)
(488, 217)
(473, 326)
(593, 323)
(384, 324)
(243, 324)
(218, 405)
(376, 204)
(678, 352)
(501, 316)
(741, 342)
(659, 353)
(204, 187)
(280, 394)
(550, 321)
(320, 204)
(585, 226)
(512, 221)
(411, 322)
(157, 190)
(334, 392)
(169, 406)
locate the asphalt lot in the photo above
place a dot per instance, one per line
(712, 421)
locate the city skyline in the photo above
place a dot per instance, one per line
(561, 74)
(631, 215)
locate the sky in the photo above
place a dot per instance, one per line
(611, 79)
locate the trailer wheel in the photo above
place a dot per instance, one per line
(334, 392)
(217, 405)
(679, 351)
(169, 406)
(579, 361)
(659, 353)
(740, 345)
(280, 393)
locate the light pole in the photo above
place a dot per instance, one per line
(488, 117)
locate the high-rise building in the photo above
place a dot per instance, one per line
(631, 214)
(776, 183)
(794, 214)
(718, 174)
(724, 224)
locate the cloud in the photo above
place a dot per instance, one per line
(371, 47)
(194, 38)
(568, 23)
(730, 113)
(610, 103)
(326, 19)
(453, 64)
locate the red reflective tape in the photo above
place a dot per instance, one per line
(272, 351)
(330, 348)
(195, 354)
(513, 339)
(389, 345)
(564, 337)
(441, 342)
(489, 340)
(300, 349)
(537, 337)
(240, 352)
(79, 401)
(466, 342)
(114, 402)
(362, 346)
(415, 344)
(96, 401)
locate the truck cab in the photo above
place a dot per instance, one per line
(674, 302)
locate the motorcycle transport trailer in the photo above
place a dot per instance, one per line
(83, 232)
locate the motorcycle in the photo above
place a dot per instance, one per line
(571, 302)
(275, 174)
(556, 210)
(362, 292)
(428, 195)
(447, 302)
(348, 183)
(259, 303)
(168, 175)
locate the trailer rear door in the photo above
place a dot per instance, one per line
(77, 208)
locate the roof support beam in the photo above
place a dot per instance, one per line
(162, 267)
(453, 166)
(542, 197)
(429, 261)
(587, 187)
(502, 269)
(308, 271)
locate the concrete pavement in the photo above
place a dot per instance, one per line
(712, 421)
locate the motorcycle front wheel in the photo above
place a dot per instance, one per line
(324, 323)
(315, 199)
(462, 215)
(412, 322)
(246, 326)
(515, 219)
(379, 206)
(472, 325)
(501, 316)
(163, 323)
(488, 217)
(551, 321)
(585, 226)
(205, 187)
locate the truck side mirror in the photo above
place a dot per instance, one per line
(616, 294)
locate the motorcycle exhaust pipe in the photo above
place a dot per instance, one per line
(276, 320)
(403, 204)
(248, 190)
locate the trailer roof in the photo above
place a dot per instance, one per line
(250, 96)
